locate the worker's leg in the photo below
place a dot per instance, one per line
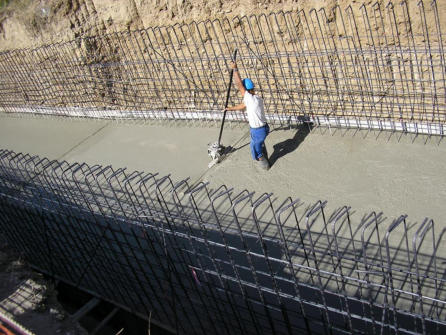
(264, 151)
(251, 144)
(258, 136)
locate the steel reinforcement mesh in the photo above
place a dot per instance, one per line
(375, 66)
(204, 260)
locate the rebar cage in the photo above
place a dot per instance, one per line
(375, 66)
(206, 260)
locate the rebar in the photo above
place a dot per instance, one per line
(205, 260)
(367, 67)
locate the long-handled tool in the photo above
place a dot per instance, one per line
(216, 150)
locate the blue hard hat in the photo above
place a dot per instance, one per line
(248, 84)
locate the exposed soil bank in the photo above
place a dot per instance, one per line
(28, 23)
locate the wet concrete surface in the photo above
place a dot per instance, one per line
(369, 171)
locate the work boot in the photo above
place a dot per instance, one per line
(263, 163)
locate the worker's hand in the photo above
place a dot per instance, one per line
(233, 65)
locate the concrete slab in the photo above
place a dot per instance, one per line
(178, 149)
(49, 137)
(165, 147)
(395, 173)
(369, 171)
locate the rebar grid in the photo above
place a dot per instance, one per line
(366, 66)
(201, 259)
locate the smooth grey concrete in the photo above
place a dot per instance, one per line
(167, 148)
(369, 171)
(395, 173)
(51, 138)
(177, 148)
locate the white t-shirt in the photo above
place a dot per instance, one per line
(254, 109)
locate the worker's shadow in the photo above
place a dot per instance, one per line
(289, 145)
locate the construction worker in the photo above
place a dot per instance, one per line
(259, 128)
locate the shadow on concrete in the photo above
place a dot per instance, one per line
(289, 145)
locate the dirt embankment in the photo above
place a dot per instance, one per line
(26, 23)
(382, 67)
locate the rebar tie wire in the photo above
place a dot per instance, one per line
(319, 71)
(232, 265)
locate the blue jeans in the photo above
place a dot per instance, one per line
(258, 136)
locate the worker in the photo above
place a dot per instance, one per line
(255, 110)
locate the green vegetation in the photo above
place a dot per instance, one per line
(4, 3)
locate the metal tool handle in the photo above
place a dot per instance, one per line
(227, 97)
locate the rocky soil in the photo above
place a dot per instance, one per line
(27, 23)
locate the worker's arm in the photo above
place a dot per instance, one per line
(236, 107)
(238, 79)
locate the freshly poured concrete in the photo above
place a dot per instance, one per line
(46, 137)
(398, 174)
(179, 149)
(394, 173)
